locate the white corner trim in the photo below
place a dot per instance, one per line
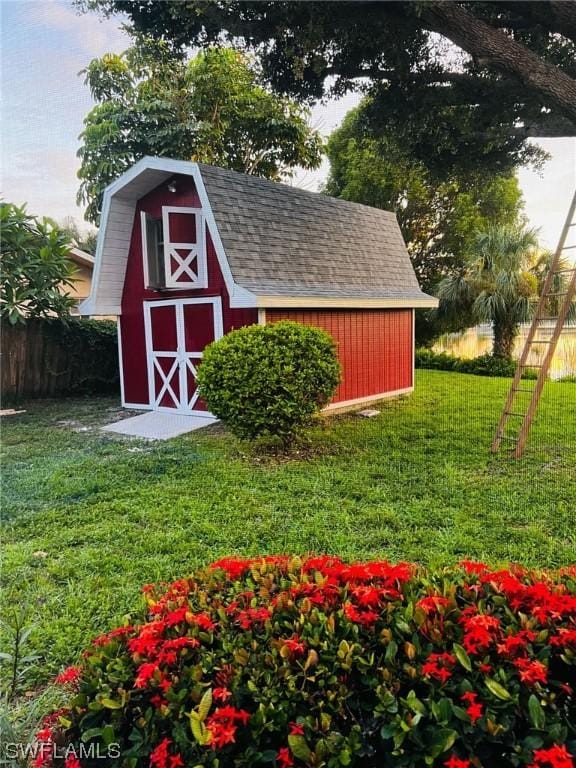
(92, 301)
(413, 377)
(320, 302)
(120, 362)
(369, 399)
(144, 239)
(261, 316)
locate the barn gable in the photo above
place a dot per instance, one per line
(276, 245)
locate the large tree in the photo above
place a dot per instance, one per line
(454, 79)
(439, 217)
(211, 109)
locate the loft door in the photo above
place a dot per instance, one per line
(176, 334)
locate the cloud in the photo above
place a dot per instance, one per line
(86, 32)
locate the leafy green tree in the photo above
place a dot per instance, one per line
(461, 81)
(35, 267)
(211, 109)
(499, 284)
(439, 218)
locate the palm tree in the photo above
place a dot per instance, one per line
(499, 283)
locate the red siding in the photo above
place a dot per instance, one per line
(375, 347)
(134, 294)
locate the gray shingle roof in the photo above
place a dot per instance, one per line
(285, 241)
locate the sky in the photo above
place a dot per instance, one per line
(44, 46)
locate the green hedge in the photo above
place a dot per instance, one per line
(485, 365)
(269, 380)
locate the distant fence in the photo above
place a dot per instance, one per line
(50, 358)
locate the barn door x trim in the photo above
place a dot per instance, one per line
(182, 360)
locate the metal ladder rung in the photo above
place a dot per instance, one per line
(554, 295)
(517, 389)
(541, 341)
(513, 413)
(505, 437)
(569, 247)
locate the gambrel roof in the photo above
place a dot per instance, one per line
(277, 245)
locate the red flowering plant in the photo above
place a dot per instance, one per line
(283, 661)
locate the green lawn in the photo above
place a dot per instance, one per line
(90, 517)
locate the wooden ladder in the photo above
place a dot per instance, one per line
(514, 404)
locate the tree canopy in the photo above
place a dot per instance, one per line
(438, 217)
(211, 109)
(36, 269)
(453, 79)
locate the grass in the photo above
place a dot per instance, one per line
(90, 517)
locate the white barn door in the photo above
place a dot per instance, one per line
(176, 333)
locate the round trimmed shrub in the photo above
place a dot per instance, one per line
(279, 661)
(269, 380)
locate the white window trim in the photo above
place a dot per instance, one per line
(199, 245)
(143, 215)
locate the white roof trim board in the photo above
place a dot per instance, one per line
(277, 246)
(81, 257)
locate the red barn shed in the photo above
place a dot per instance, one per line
(187, 252)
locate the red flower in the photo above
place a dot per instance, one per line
(284, 758)
(295, 646)
(148, 640)
(364, 618)
(439, 666)
(433, 604)
(203, 621)
(480, 631)
(475, 709)
(455, 762)
(233, 567)
(564, 638)
(296, 729)
(119, 632)
(555, 757)
(70, 676)
(221, 725)
(531, 672)
(146, 673)
(252, 616)
(72, 762)
(514, 645)
(161, 758)
(221, 694)
(472, 567)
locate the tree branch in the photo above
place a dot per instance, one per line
(492, 48)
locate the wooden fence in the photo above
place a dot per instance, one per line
(53, 359)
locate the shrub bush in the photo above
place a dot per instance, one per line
(269, 380)
(276, 661)
(485, 365)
